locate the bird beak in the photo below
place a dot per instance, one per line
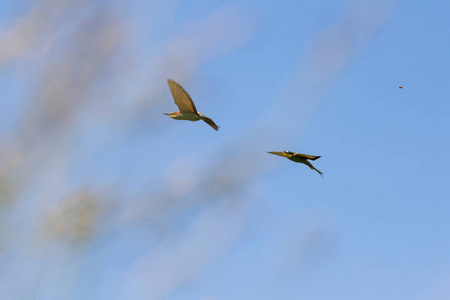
(277, 153)
(166, 114)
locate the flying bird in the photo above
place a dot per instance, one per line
(299, 158)
(186, 106)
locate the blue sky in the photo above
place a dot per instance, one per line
(179, 211)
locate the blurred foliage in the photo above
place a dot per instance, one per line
(84, 89)
(73, 219)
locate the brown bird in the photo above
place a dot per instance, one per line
(186, 106)
(299, 158)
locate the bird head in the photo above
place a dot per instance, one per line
(287, 154)
(172, 114)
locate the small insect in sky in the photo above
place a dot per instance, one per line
(400, 87)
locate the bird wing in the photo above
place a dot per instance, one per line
(281, 154)
(210, 122)
(311, 157)
(181, 97)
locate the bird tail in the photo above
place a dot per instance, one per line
(321, 174)
(209, 121)
(312, 168)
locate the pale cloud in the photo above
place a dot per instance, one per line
(225, 31)
(182, 257)
(335, 47)
(327, 55)
(439, 289)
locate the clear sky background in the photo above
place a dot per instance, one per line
(104, 197)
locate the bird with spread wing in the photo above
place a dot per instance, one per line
(187, 108)
(299, 158)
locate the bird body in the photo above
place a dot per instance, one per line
(299, 158)
(188, 111)
(186, 116)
